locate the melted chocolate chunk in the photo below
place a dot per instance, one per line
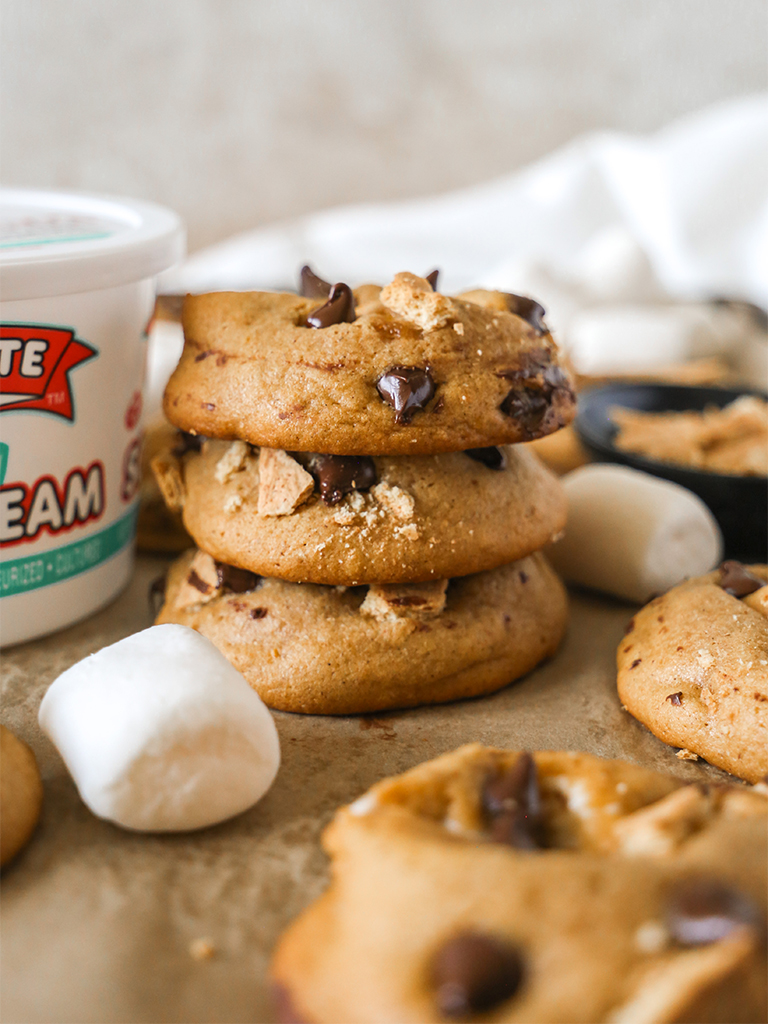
(239, 581)
(338, 475)
(311, 286)
(737, 580)
(512, 802)
(528, 406)
(702, 910)
(675, 698)
(527, 309)
(473, 973)
(432, 277)
(406, 389)
(156, 594)
(339, 309)
(198, 583)
(187, 443)
(493, 458)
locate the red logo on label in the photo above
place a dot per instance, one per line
(35, 361)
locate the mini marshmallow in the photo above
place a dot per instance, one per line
(161, 733)
(633, 535)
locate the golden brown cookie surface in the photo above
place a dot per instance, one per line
(416, 372)
(490, 885)
(693, 668)
(406, 519)
(334, 650)
(21, 794)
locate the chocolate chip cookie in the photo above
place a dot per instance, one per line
(347, 650)
(693, 668)
(358, 519)
(402, 370)
(498, 885)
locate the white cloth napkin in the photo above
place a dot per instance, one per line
(612, 233)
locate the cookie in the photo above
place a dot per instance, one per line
(493, 885)
(159, 529)
(21, 794)
(337, 650)
(349, 520)
(402, 370)
(693, 668)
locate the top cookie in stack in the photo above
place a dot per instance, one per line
(344, 439)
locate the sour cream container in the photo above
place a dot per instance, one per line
(77, 288)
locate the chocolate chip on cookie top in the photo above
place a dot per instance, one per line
(473, 973)
(512, 802)
(339, 308)
(406, 389)
(737, 580)
(311, 286)
(397, 370)
(705, 910)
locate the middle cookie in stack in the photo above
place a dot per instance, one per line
(401, 566)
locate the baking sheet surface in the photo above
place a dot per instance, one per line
(97, 922)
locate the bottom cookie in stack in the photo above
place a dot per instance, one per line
(348, 650)
(494, 885)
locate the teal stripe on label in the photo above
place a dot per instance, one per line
(24, 574)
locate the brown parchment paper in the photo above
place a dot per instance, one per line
(97, 922)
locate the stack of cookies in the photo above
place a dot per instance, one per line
(368, 526)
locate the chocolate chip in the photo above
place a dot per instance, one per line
(311, 286)
(432, 277)
(527, 405)
(187, 443)
(737, 580)
(527, 309)
(512, 802)
(636, 662)
(338, 475)
(339, 309)
(493, 458)
(406, 389)
(473, 973)
(258, 613)
(675, 698)
(239, 581)
(703, 910)
(156, 594)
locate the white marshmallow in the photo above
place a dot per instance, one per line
(161, 733)
(633, 535)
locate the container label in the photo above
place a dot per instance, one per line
(24, 574)
(35, 361)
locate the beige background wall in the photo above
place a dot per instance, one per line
(241, 112)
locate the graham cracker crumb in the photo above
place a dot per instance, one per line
(407, 600)
(232, 461)
(410, 531)
(412, 298)
(202, 582)
(233, 502)
(168, 473)
(397, 501)
(687, 755)
(283, 483)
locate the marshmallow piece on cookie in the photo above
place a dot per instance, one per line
(161, 733)
(632, 535)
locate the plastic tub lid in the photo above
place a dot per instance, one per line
(57, 243)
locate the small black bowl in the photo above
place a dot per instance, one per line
(738, 503)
